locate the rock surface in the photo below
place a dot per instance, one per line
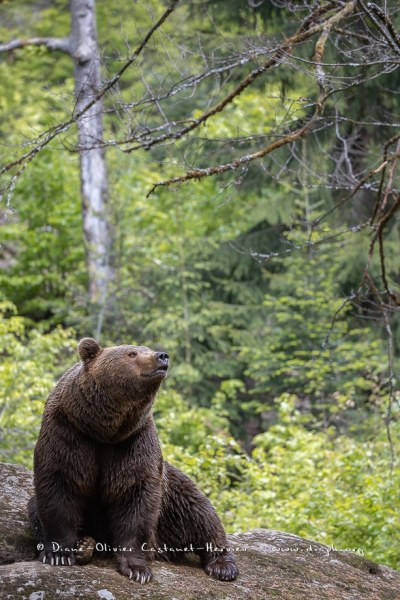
(272, 565)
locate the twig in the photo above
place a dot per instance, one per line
(300, 36)
(243, 160)
(378, 17)
(356, 188)
(50, 134)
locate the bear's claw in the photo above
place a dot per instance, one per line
(134, 569)
(56, 559)
(222, 567)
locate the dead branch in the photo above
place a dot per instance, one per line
(52, 43)
(46, 137)
(361, 183)
(383, 24)
(243, 160)
(300, 36)
(306, 30)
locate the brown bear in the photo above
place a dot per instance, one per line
(99, 474)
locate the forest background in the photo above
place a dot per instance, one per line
(266, 263)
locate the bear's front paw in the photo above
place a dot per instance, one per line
(60, 557)
(134, 569)
(222, 567)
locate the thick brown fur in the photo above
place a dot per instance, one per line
(100, 477)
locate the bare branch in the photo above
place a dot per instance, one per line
(243, 160)
(300, 36)
(361, 183)
(378, 203)
(52, 43)
(46, 137)
(383, 23)
(213, 111)
(307, 30)
(384, 309)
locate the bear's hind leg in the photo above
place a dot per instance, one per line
(189, 521)
(34, 520)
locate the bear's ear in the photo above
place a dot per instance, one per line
(88, 348)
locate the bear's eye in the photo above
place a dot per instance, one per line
(133, 353)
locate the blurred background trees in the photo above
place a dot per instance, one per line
(266, 263)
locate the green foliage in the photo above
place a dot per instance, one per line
(239, 118)
(198, 441)
(30, 364)
(30, 102)
(42, 242)
(338, 490)
(178, 273)
(311, 344)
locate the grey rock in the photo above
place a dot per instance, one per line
(273, 565)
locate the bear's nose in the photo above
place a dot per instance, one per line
(163, 357)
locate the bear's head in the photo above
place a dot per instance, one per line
(124, 368)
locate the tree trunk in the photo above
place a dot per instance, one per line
(94, 188)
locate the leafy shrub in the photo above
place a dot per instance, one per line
(30, 364)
